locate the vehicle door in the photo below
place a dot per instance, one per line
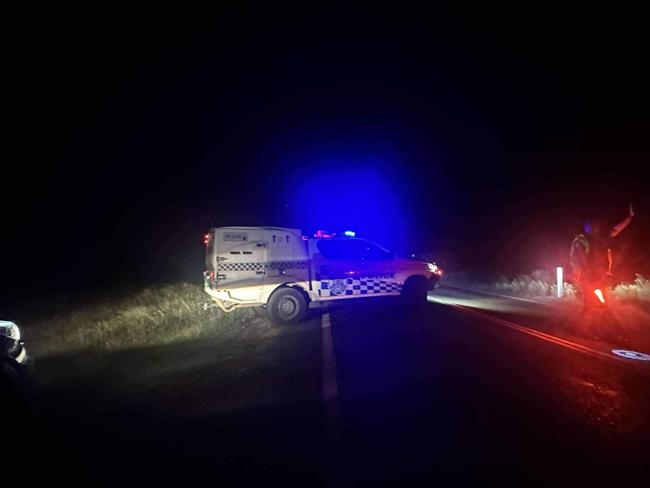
(379, 269)
(337, 265)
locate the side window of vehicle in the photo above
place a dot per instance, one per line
(341, 249)
(373, 252)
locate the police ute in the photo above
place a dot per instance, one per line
(284, 271)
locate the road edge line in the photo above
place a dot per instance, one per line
(544, 336)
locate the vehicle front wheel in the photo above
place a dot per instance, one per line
(415, 291)
(287, 306)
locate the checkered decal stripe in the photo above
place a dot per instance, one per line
(240, 266)
(259, 266)
(353, 287)
(287, 265)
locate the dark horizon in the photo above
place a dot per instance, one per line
(482, 141)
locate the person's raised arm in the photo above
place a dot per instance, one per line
(618, 228)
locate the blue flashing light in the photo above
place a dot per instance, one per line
(349, 233)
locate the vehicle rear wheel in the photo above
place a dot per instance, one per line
(287, 306)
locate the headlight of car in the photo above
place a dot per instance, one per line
(9, 330)
(432, 267)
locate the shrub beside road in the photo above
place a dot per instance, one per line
(149, 317)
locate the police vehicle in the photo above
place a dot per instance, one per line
(285, 272)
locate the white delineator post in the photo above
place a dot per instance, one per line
(560, 281)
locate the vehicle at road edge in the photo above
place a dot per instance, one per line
(284, 271)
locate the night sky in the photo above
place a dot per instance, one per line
(482, 138)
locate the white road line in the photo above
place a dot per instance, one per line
(509, 297)
(330, 387)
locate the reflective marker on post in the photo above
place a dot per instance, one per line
(560, 281)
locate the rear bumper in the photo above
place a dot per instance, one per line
(226, 296)
(223, 298)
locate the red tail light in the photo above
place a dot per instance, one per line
(206, 238)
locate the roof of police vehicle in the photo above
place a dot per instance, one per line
(284, 229)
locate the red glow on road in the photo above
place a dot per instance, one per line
(599, 294)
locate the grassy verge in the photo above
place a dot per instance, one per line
(639, 290)
(540, 285)
(157, 350)
(148, 317)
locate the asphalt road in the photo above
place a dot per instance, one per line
(466, 389)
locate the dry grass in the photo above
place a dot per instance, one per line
(536, 285)
(639, 290)
(540, 285)
(150, 317)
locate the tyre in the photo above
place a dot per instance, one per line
(415, 290)
(287, 306)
